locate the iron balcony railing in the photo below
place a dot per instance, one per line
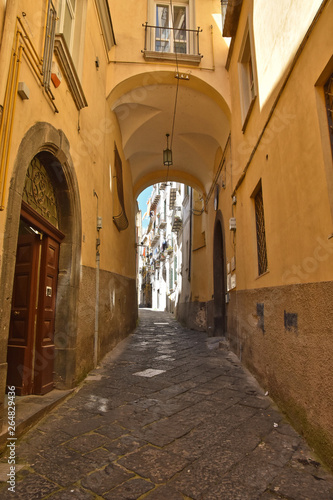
(171, 40)
(177, 221)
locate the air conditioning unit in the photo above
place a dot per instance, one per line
(232, 223)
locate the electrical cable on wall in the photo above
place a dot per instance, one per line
(176, 96)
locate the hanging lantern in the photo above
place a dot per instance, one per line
(167, 154)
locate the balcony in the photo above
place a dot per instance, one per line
(177, 222)
(172, 43)
(155, 238)
(172, 199)
(162, 223)
(169, 250)
(169, 245)
(155, 199)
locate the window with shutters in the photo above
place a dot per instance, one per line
(69, 45)
(246, 72)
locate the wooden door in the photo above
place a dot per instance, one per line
(31, 349)
(44, 352)
(21, 331)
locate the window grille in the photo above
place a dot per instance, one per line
(261, 235)
(120, 219)
(328, 89)
(170, 278)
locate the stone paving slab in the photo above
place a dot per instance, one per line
(168, 415)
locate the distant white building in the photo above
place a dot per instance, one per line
(164, 251)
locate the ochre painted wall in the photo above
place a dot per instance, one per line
(280, 323)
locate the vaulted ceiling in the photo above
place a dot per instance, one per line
(194, 115)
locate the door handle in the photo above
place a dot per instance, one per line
(17, 313)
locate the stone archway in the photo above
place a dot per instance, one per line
(220, 317)
(144, 107)
(52, 146)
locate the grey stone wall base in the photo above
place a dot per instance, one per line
(118, 313)
(283, 335)
(3, 376)
(193, 315)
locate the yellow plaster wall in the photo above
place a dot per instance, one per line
(91, 134)
(127, 59)
(2, 13)
(297, 202)
(202, 283)
(274, 52)
(293, 160)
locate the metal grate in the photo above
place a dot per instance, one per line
(173, 40)
(120, 219)
(328, 88)
(261, 235)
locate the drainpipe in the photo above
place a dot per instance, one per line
(98, 242)
(212, 37)
(190, 239)
(6, 42)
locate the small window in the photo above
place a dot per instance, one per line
(328, 89)
(246, 78)
(260, 228)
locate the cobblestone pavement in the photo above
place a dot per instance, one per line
(167, 416)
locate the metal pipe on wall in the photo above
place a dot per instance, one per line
(97, 289)
(6, 42)
(15, 87)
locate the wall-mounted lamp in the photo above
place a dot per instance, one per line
(167, 154)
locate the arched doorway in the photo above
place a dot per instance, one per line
(35, 244)
(220, 319)
(31, 349)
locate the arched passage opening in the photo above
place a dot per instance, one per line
(220, 319)
(41, 264)
(149, 106)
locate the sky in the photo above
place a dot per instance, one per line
(142, 200)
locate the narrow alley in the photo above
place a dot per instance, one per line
(169, 414)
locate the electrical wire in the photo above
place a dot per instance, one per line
(176, 96)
